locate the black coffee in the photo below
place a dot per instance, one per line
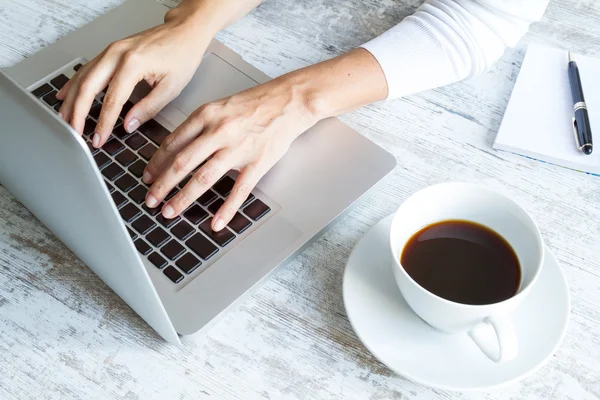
(462, 261)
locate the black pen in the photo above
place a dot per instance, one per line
(581, 122)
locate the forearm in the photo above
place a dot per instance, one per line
(211, 16)
(339, 85)
(446, 41)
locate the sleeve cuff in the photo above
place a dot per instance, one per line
(412, 58)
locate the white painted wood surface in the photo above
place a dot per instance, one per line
(65, 335)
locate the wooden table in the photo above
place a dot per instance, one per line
(64, 334)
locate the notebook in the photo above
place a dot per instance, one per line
(538, 119)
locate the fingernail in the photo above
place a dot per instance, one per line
(168, 212)
(151, 201)
(133, 125)
(219, 224)
(147, 177)
(96, 140)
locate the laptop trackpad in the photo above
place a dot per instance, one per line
(213, 80)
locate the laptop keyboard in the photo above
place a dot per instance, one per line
(177, 246)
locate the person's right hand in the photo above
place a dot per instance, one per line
(165, 56)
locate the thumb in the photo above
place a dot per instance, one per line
(149, 106)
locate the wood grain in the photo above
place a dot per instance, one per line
(65, 335)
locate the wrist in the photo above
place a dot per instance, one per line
(339, 85)
(210, 16)
(197, 17)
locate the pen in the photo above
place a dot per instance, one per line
(581, 122)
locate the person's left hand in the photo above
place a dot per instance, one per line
(249, 131)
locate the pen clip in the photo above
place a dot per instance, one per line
(575, 133)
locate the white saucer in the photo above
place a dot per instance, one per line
(387, 326)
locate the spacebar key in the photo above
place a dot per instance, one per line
(154, 131)
(202, 246)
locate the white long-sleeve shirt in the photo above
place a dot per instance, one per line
(445, 41)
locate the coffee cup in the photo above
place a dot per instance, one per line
(488, 325)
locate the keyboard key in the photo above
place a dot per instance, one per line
(143, 247)
(154, 131)
(148, 151)
(51, 99)
(126, 158)
(256, 210)
(118, 199)
(153, 211)
(207, 197)
(188, 263)
(137, 168)
(222, 238)
(89, 127)
(138, 195)
(126, 182)
(248, 200)
(113, 171)
(109, 186)
(58, 106)
(101, 160)
(167, 223)
(239, 223)
(214, 207)
(158, 237)
(136, 141)
(184, 181)
(158, 261)
(202, 246)
(95, 111)
(129, 212)
(224, 186)
(143, 224)
(195, 214)
(182, 230)
(60, 81)
(173, 274)
(113, 146)
(126, 107)
(120, 132)
(132, 234)
(172, 193)
(78, 67)
(172, 249)
(42, 90)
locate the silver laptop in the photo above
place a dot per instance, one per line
(176, 274)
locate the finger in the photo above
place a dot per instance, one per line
(201, 181)
(118, 93)
(244, 184)
(183, 163)
(181, 137)
(83, 91)
(149, 106)
(67, 94)
(62, 93)
(81, 108)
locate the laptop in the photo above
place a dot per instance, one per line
(176, 274)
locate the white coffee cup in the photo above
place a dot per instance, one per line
(463, 201)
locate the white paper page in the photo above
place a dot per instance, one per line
(538, 119)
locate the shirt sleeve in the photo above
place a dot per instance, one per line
(445, 41)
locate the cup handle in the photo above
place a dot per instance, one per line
(506, 345)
